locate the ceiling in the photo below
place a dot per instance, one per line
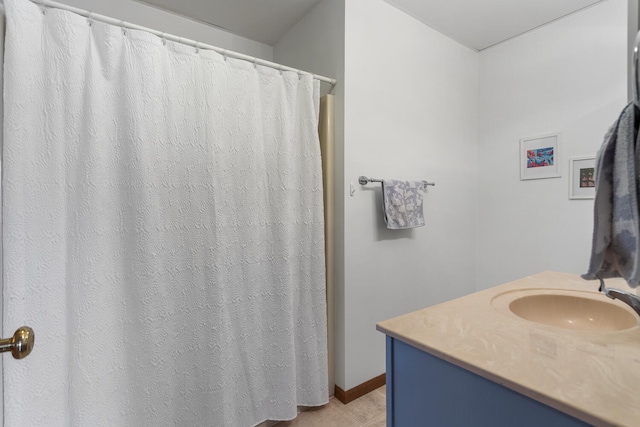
(484, 23)
(477, 24)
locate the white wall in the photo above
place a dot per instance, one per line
(410, 113)
(568, 76)
(316, 44)
(158, 19)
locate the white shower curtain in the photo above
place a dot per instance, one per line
(163, 230)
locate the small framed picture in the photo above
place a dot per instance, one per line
(582, 177)
(540, 157)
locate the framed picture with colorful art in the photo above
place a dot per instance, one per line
(540, 157)
(582, 177)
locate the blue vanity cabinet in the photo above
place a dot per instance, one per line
(424, 390)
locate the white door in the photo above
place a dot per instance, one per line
(21, 343)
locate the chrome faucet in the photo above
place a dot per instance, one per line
(631, 300)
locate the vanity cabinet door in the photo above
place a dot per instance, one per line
(424, 390)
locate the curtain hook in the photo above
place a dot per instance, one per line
(90, 18)
(197, 47)
(224, 54)
(255, 63)
(164, 39)
(281, 70)
(43, 7)
(124, 28)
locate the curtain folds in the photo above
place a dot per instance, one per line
(162, 230)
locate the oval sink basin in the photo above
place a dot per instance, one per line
(574, 312)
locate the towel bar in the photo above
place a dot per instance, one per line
(363, 180)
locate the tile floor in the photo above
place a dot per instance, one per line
(366, 411)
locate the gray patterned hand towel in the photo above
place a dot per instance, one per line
(402, 204)
(615, 251)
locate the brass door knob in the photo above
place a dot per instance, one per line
(20, 344)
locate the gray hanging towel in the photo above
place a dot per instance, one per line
(616, 228)
(402, 204)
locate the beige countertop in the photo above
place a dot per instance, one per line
(593, 376)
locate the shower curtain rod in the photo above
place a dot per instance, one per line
(188, 42)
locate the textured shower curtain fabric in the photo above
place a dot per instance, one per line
(162, 230)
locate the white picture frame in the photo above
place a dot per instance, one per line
(582, 178)
(540, 157)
